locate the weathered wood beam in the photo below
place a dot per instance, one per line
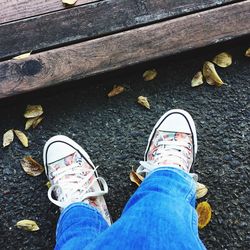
(123, 49)
(89, 21)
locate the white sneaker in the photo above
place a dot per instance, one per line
(73, 176)
(172, 143)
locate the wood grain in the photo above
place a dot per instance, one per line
(89, 21)
(123, 49)
(12, 10)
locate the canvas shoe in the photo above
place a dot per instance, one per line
(73, 176)
(172, 143)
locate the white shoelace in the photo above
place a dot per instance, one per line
(71, 185)
(175, 152)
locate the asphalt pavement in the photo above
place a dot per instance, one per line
(114, 131)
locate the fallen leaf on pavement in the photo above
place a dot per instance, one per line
(33, 122)
(201, 190)
(247, 52)
(22, 138)
(33, 111)
(136, 178)
(197, 79)
(149, 75)
(22, 56)
(28, 225)
(143, 101)
(8, 138)
(31, 167)
(37, 121)
(223, 59)
(211, 75)
(204, 214)
(69, 2)
(117, 89)
(48, 184)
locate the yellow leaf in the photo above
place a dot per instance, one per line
(8, 138)
(247, 52)
(211, 75)
(33, 122)
(201, 190)
(223, 59)
(117, 89)
(143, 101)
(28, 225)
(33, 111)
(48, 184)
(136, 178)
(22, 56)
(149, 75)
(204, 214)
(22, 138)
(69, 2)
(37, 121)
(197, 79)
(31, 167)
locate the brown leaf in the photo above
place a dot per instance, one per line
(211, 75)
(22, 56)
(31, 167)
(247, 52)
(136, 178)
(204, 214)
(69, 2)
(8, 138)
(33, 111)
(149, 75)
(143, 101)
(201, 190)
(117, 89)
(28, 225)
(22, 138)
(223, 59)
(197, 79)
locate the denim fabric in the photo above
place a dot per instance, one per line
(160, 215)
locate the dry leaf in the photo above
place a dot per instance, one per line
(117, 89)
(201, 190)
(31, 167)
(48, 184)
(22, 56)
(33, 111)
(143, 101)
(136, 178)
(204, 214)
(37, 121)
(8, 138)
(28, 225)
(223, 60)
(22, 138)
(69, 2)
(247, 52)
(149, 75)
(211, 75)
(33, 122)
(197, 79)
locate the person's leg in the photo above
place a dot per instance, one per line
(161, 213)
(78, 191)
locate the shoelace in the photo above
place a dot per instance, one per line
(176, 151)
(71, 185)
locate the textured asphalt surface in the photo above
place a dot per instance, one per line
(115, 130)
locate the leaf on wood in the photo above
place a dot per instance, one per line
(28, 225)
(247, 52)
(8, 138)
(201, 190)
(33, 111)
(197, 79)
(223, 59)
(143, 101)
(117, 89)
(22, 138)
(48, 184)
(69, 2)
(22, 56)
(136, 178)
(204, 214)
(211, 75)
(31, 167)
(149, 75)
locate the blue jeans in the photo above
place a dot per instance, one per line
(160, 215)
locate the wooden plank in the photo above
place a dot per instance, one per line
(12, 10)
(89, 21)
(123, 49)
